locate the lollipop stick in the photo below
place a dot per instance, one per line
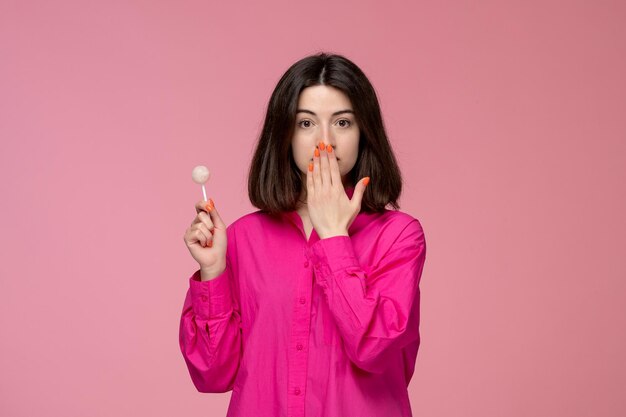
(204, 192)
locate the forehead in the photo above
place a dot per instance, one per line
(323, 97)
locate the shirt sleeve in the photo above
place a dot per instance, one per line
(210, 330)
(377, 313)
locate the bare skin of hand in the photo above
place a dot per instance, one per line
(330, 209)
(206, 239)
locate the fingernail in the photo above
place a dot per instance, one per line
(329, 149)
(208, 207)
(366, 180)
(317, 152)
(212, 203)
(210, 244)
(322, 145)
(310, 166)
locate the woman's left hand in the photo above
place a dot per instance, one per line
(330, 210)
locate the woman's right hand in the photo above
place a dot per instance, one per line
(206, 238)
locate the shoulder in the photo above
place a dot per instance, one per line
(250, 221)
(399, 221)
(401, 228)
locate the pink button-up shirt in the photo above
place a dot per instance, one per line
(324, 327)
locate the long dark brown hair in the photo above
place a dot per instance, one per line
(275, 181)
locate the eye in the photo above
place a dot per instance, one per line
(300, 123)
(346, 124)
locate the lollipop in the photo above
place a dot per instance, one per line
(200, 175)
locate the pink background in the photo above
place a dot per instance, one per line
(508, 122)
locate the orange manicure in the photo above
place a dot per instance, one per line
(329, 148)
(322, 145)
(310, 166)
(366, 180)
(317, 152)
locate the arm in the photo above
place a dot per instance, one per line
(210, 330)
(377, 314)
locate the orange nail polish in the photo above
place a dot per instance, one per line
(366, 180)
(310, 166)
(210, 244)
(329, 149)
(317, 152)
(208, 207)
(322, 145)
(212, 203)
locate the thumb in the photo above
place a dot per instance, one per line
(359, 190)
(216, 218)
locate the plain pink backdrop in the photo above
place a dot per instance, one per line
(507, 119)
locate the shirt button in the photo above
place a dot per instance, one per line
(203, 298)
(306, 264)
(302, 300)
(299, 346)
(296, 391)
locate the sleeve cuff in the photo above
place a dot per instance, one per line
(331, 255)
(211, 298)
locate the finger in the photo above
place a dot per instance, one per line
(309, 180)
(202, 205)
(359, 191)
(204, 218)
(335, 174)
(317, 179)
(200, 237)
(218, 223)
(324, 168)
(206, 232)
(197, 219)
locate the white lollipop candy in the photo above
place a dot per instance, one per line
(200, 175)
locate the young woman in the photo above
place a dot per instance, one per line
(310, 305)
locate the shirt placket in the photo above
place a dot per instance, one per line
(299, 342)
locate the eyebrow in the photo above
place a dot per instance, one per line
(334, 114)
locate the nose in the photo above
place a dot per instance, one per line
(327, 137)
(326, 143)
